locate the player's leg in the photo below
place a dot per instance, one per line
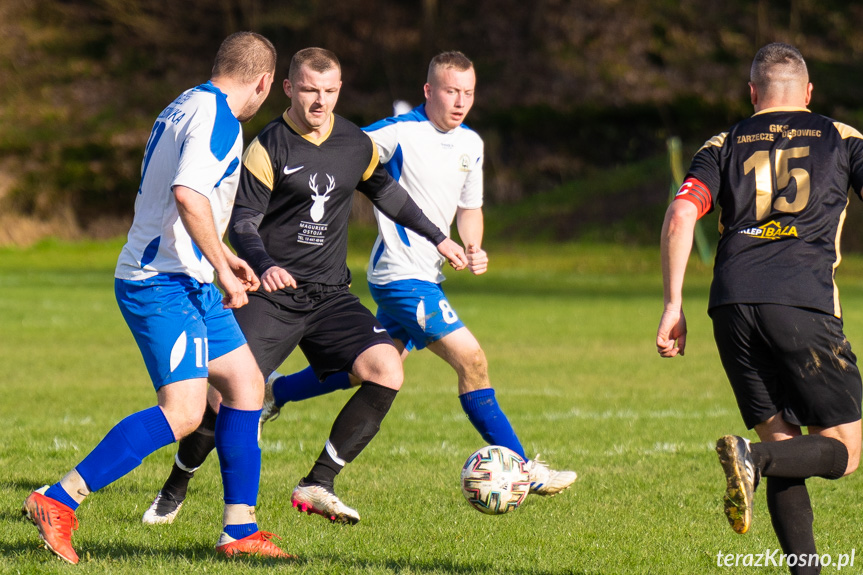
(271, 334)
(179, 376)
(192, 451)
(781, 382)
(347, 335)
(234, 372)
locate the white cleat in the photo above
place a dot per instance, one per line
(318, 499)
(547, 481)
(163, 510)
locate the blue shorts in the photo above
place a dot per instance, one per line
(415, 312)
(178, 323)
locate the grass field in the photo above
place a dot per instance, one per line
(569, 334)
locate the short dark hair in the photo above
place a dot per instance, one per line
(775, 62)
(244, 56)
(452, 59)
(318, 60)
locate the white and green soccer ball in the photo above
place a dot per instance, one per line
(494, 480)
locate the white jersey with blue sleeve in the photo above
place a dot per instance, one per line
(196, 142)
(442, 171)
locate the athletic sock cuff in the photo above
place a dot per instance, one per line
(238, 421)
(840, 459)
(157, 426)
(377, 396)
(477, 398)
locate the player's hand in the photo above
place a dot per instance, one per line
(276, 278)
(477, 259)
(453, 253)
(243, 272)
(671, 335)
(233, 289)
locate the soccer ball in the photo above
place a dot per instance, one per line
(494, 480)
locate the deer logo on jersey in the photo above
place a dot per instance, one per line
(317, 211)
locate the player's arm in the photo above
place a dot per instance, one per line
(471, 225)
(394, 202)
(677, 235)
(246, 239)
(197, 217)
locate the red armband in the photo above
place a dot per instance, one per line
(694, 190)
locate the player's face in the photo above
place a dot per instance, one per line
(257, 100)
(449, 97)
(313, 97)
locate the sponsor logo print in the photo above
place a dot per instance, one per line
(772, 230)
(288, 171)
(378, 330)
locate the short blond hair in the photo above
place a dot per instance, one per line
(445, 60)
(318, 60)
(243, 56)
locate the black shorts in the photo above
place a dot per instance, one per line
(791, 360)
(329, 324)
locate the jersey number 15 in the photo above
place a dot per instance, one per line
(760, 163)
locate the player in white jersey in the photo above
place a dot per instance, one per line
(439, 161)
(183, 325)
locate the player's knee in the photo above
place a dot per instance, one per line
(184, 422)
(391, 375)
(474, 365)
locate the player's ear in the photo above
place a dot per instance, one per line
(286, 86)
(753, 94)
(809, 89)
(427, 90)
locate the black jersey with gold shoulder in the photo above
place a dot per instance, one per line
(781, 180)
(304, 187)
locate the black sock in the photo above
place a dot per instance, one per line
(801, 457)
(791, 514)
(192, 452)
(353, 429)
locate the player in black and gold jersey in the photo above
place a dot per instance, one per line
(290, 223)
(781, 180)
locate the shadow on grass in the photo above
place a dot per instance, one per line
(118, 553)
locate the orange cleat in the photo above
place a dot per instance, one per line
(55, 523)
(258, 543)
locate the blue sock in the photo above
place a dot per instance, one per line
(240, 531)
(239, 454)
(125, 446)
(486, 416)
(57, 493)
(305, 384)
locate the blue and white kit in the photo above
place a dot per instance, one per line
(163, 283)
(442, 172)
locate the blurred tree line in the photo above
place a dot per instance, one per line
(565, 87)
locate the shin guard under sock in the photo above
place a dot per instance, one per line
(125, 446)
(239, 454)
(489, 420)
(802, 456)
(356, 425)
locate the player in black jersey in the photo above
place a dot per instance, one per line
(781, 180)
(290, 223)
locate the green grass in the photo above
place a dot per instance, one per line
(569, 332)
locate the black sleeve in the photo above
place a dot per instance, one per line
(244, 236)
(394, 201)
